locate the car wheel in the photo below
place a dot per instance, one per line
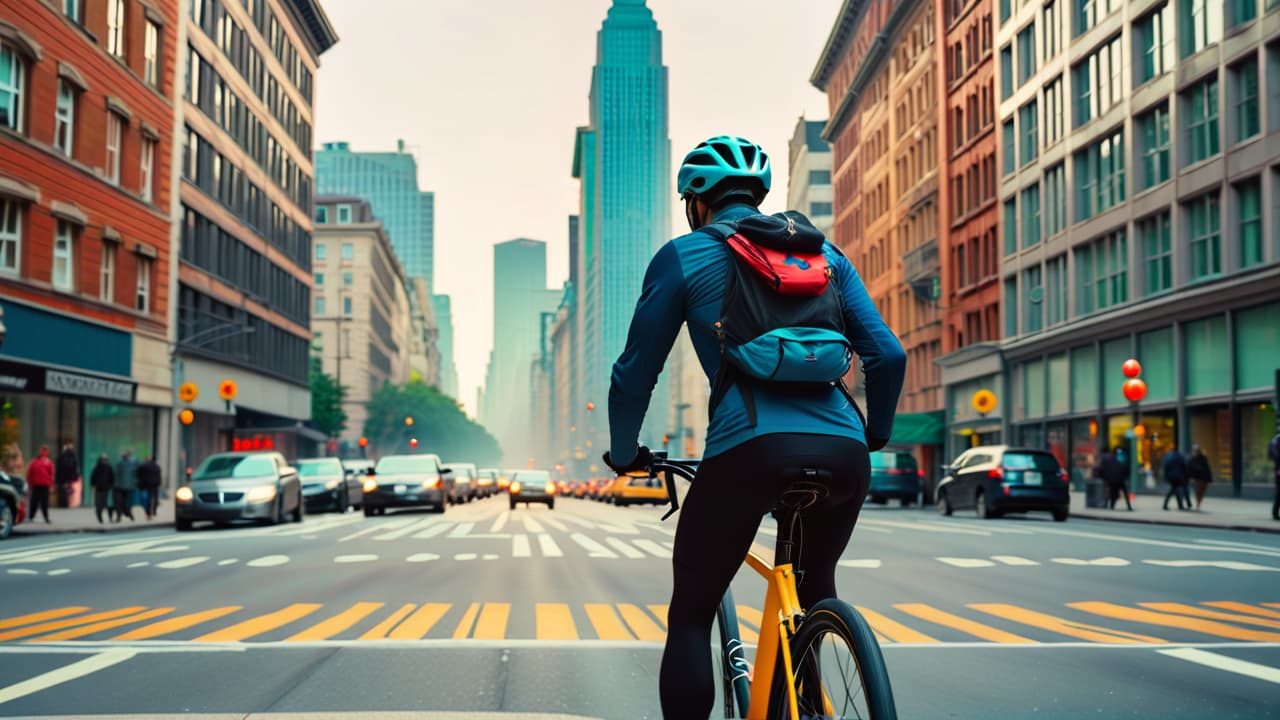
(343, 501)
(181, 524)
(438, 509)
(907, 502)
(297, 512)
(1060, 515)
(6, 519)
(513, 504)
(980, 506)
(368, 511)
(551, 505)
(944, 505)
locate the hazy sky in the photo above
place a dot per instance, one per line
(487, 93)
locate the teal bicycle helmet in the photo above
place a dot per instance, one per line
(724, 158)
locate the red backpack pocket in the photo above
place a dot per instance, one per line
(786, 273)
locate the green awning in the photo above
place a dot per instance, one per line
(926, 428)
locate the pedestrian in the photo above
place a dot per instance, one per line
(66, 474)
(103, 479)
(1115, 473)
(1273, 451)
(1176, 474)
(149, 485)
(40, 478)
(1199, 472)
(126, 483)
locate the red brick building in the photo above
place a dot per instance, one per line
(86, 128)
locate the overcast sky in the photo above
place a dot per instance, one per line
(487, 93)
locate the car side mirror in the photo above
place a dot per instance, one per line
(447, 472)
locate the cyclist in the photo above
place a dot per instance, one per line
(723, 180)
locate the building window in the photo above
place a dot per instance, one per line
(347, 279)
(1055, 200)
(72, 9)
(1029, 147)
(1033, 292)
(346, 306)
(1006, 72)
(348, 250)
(1155, 43)
(151, 55)
(1201, 103)
(64, 124)
(1102, 273)
(320, 308)
(1098, 81)
(1248, 121)
(819, 177)
(10, 235)
(12, 71)
(1242, 11)
(1249, 202)
(107, 274)
(1053, 116)
(1010, 226)
(63, 275)
(1153, 128)
(344, 215)
(1201, 22)
(1010, 147)
(322, 215)
(1089, 12)
(322, 251)
(143, 295)
(1010, 307)
(115, 28)
(1053, 28)
(319, 279)
(1026, 53)
(1157, 253)
(1205, 237)
(1099, 176)
(115, 131)
(147, 165)
(1055, 293)
(1006, 10)
(819, 208)
(1031, 216)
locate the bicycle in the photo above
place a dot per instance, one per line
(789, 680)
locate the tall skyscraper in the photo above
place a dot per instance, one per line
(809, 187)
(624, 162)
(443, 307)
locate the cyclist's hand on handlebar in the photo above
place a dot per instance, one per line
(642, 461)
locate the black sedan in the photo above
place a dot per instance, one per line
(326, 485)
(401, 481)
(996, 479)
(258, 486)
(532, 486)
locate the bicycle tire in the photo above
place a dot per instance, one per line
(731, 659)
(836, 618)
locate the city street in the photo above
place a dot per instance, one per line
(562, 611)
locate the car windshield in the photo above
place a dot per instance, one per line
(1043, 462)
(892, 461)
(234, 466)
(405, 464)
(532, 476)
(313, 468)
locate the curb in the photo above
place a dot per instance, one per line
(1176, 523)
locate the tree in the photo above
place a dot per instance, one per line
(439, 425)
(327, 395)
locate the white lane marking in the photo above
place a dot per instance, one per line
(182, 562)
(531, 524)
(869, 564)
(1156, 543)
(624, 547)
(548, 546)
(465, 556)
(863, 527)
(403, 531)
(501, 522)
(520, 546)
(319, 526)
(142, 548)
(355, 558)
(652, 547)
(359, 533)
(59, 571)
(432, 530)
(924, 527)
(965, 562)
(268, 561)
(1237, 544)
(78, 669)
(140, 563)
(490, 556)
(555, 524)
(1222, 662)
(422, 557)
(669, 545)
(1013, 560)
(462, 530)
(988, 528)
(593, 548)
(1101, 562)
(42, 548)
(23, 571)
(228, 561)
(1224, 564)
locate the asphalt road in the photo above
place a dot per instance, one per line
(562, 611)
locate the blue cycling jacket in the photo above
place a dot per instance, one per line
(686, 282)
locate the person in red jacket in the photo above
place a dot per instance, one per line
(40, 478)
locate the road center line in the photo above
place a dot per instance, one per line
(1219, 662)
(78, 669)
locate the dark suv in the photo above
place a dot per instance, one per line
(894, 474)
(995, 479)
(13, 502)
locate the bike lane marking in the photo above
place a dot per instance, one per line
(1222, 662)
(75, 670)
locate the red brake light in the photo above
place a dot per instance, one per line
(920, 473)
(1005, 487)
(1062, 474)
(996, 473)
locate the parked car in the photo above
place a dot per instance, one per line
(637, 490)
(487, 482)
(532, 486)
(357, 467)
(996, 479)
(327, 485)
(258, 486)
(400, 481)
(465, 488)
(13, 503)
(894, 475)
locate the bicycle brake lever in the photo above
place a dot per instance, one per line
(671, 494)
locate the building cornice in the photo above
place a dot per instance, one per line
(313, 24)
(846, 22)
(870, 63)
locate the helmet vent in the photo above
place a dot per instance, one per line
(698, 182)
(724, 152)
(699, 159)
(749, 154)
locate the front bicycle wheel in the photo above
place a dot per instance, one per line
(839, 672)
(731, 660)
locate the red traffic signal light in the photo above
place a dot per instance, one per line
(413, 442)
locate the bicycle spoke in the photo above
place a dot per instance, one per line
(814, 688)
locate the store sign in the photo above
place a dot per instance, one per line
(21, 377)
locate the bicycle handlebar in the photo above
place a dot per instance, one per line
(685, 468)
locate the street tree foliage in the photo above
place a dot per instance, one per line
(439, 425)
(327, 395)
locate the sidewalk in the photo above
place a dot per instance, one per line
(1217, 512)
(83, 520)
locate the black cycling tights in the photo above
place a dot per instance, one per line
(718, 522)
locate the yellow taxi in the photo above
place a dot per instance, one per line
(638, 489)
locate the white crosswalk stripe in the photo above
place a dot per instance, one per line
(652, 547)
(548, 546)
(501, 522)
(520, 546)
(623, 547)
(409, 529)
(593, 548)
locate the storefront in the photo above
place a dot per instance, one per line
(965, 373)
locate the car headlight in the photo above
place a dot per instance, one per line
(370, 484)
(551, 488)
(515, 488)
(333, 484)
(261, 494)
(430, 483)
(184, 494)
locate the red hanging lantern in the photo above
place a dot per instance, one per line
(1131, 368)
(413, 442)
(1135, 389)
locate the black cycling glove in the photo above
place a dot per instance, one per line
(874, 444)
(644, 458)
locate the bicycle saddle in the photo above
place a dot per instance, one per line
(805, 487)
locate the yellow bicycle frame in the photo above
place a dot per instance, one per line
(783, 604)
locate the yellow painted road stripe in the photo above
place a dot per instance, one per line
(45, 627)
(342, 621)
(1181, 609)
(554, 621)
(748, 614)
(1208, 627)
(172, 625)
(40, 617)
(641, 624)
(1272, 605)
(605, 622)
(379, 631)
(83, 630)
(492, 623)
(660, 612)
(946, 619)
(1071, 628)
(261, 624)
(417, 625)
(1243, 608)
(892, 629)
(468, 619)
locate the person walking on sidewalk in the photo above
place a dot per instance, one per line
(1273, 451)
(1112, 471)
(126, 483)
(1176, 474)
(40, 478)
(149, 485)
(1199, 472)
(66, 474)
(103, 479)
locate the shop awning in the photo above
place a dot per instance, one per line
(924, 428)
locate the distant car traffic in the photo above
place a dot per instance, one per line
(894, 475)
(465, 488)
(487, 482)
(13, 503)
(326, 485)
(258, 486)
(532, 486)
(402, 481)
(997, 479)
(357, 467)
(636, 490)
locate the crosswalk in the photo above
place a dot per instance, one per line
(1094, 622)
